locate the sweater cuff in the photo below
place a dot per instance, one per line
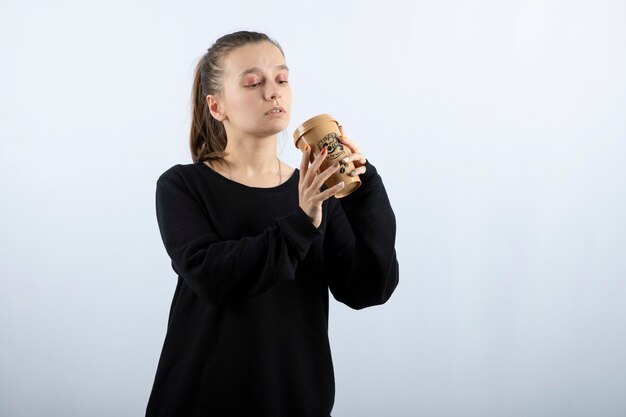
(299, 230)
(370, 171)
(369, 180)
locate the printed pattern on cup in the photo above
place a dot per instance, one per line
(334, 148)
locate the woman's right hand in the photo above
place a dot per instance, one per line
(309, 194)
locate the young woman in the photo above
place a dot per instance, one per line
(256, 245)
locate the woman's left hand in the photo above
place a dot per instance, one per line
(356, 157)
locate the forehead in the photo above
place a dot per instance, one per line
(263, 55)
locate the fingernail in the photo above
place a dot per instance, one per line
(306, 147)
(335, 165)
(345, 159)
(341, 184)
(352, 173)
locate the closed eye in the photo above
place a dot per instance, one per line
(254, 85)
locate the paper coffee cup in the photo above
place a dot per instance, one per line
(321, 132)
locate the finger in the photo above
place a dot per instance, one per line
(357, 171)
(304, 164)
(343, 139)
(324, 175)
(358, 158)
(350, 144)
(313, 168)
(324, 195)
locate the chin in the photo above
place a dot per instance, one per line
(277, 127)
(272, 132)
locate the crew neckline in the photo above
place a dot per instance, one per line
(287, 185)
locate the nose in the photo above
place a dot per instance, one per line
(273, 97)
(272, 94)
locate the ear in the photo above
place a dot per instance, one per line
(215, 107)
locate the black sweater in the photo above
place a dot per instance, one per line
(247, 333)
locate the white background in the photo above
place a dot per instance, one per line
(499, 129)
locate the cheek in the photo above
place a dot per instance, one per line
(242, 105)
(238, 99)
(287, 96)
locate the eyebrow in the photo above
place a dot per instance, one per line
(257, 69)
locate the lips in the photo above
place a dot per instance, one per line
(276, 110)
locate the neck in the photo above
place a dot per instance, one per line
(252, 156)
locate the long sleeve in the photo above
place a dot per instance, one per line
(359, 245)
(226, 271)
(247, 332)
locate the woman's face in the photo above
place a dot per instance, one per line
(255, 83)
